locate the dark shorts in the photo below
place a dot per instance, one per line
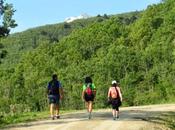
(89, 97)
(116, 103)
(54, 99)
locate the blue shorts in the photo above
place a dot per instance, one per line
(54, 99)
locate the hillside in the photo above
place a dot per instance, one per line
(19, 43)
(136, 49)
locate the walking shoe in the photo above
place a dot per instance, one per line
(52, 117)
(114, 118)
(89, 116)
(58, 117)
(117, 117)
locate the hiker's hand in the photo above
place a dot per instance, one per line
(83, 99)
(61, 97)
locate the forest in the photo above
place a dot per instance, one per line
(137, 49)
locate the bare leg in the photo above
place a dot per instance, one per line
(114, 113)
(57, 110)
(117, 113)
(87, 106)
(52, 110)
(117, 109)
(90, 106)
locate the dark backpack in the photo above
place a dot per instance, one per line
(88, 90)
(54, 87)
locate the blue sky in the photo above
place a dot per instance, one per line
(33, 13)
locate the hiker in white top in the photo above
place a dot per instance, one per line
(115, 98)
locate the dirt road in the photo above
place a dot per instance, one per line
(131, 118)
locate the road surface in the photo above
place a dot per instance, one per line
(131, 118)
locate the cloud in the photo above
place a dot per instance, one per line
(82, 16)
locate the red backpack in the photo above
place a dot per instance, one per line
(88, 90)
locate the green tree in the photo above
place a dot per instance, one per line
(6, 20)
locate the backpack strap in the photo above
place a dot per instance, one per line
(88, 85)
(117, 92)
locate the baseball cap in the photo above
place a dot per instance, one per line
(114, 82)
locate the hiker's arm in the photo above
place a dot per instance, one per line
(82, 95)
(120, 94)
(60, 89)
(61, 92)
(94, 90)
(109, 93)
(47, 90)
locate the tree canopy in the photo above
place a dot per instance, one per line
(6, 20)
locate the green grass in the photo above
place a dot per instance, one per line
(169, 119)
(26, 117)
(166, 119)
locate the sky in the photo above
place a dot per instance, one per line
(33, 13)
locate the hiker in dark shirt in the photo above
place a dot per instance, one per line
(55, 93)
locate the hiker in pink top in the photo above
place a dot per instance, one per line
(115, 98)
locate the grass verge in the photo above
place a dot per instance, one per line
(26, 117)
(166, 120)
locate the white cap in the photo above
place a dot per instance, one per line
(114, 82)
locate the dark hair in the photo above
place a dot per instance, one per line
(114, 85)
(54, 77)
(88, 80)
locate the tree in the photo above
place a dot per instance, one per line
(6, 20)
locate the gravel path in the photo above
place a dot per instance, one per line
(131, 118)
